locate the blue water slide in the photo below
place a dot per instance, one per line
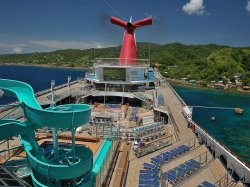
(66, 117)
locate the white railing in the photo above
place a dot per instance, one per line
(234, 162)
(121, 62)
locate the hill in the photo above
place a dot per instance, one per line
(198, 62)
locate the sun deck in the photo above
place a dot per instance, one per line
(210, 169)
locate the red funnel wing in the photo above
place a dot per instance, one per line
(143, 22)
(119, 22)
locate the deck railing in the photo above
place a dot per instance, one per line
(104, 170)
(154, 146)
(125, 170)
(174, 124)
(234, 162)
(226, 180)
(121, 62)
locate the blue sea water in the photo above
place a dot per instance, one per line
(230, 129)
(38, 77)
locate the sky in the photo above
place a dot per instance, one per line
(47, 25)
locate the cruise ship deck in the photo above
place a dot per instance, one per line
(122, 125)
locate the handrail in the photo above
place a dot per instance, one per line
(174, 125)
(8, 106)
(8, 113)
(183, 143)
(224, 181)
(55, 88)
(152, 147)
(125, 165)
(225, 147)
(116, 62)
(39, 93)
(155, 141)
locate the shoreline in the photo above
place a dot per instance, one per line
(199, 87)
(42, 65)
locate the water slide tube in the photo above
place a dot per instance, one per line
(46, 171)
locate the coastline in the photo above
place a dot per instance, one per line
(42, 65)
(200, 87)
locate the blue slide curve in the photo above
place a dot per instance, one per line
(46, 171)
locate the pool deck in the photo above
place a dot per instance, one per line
(43, 138)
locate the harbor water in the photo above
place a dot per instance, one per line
(38, 77)
(229, 128)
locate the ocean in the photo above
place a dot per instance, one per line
(38, 77)
(230, 129)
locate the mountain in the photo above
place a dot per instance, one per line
(198, 62)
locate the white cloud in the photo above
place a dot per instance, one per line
(47, 45)
(248, 6)
(98, 47)
(58, 44)
(194, 7)
(17, 50)
(12, 47)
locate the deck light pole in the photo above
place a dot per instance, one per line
(69, 79)
(156, 94)
(54, 130)
(52, 93)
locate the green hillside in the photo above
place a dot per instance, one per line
(198, 62)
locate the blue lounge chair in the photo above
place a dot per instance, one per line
(207, 184)
(191, 165)
(156, 161)
(170, 175)
(148, 177)
(149, 166)
(166, 156)
(185, 147)
(180, 172)
(149, 172)
(160, 157)
(149, 183)
(194, 163)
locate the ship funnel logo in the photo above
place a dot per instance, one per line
(128, 50)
